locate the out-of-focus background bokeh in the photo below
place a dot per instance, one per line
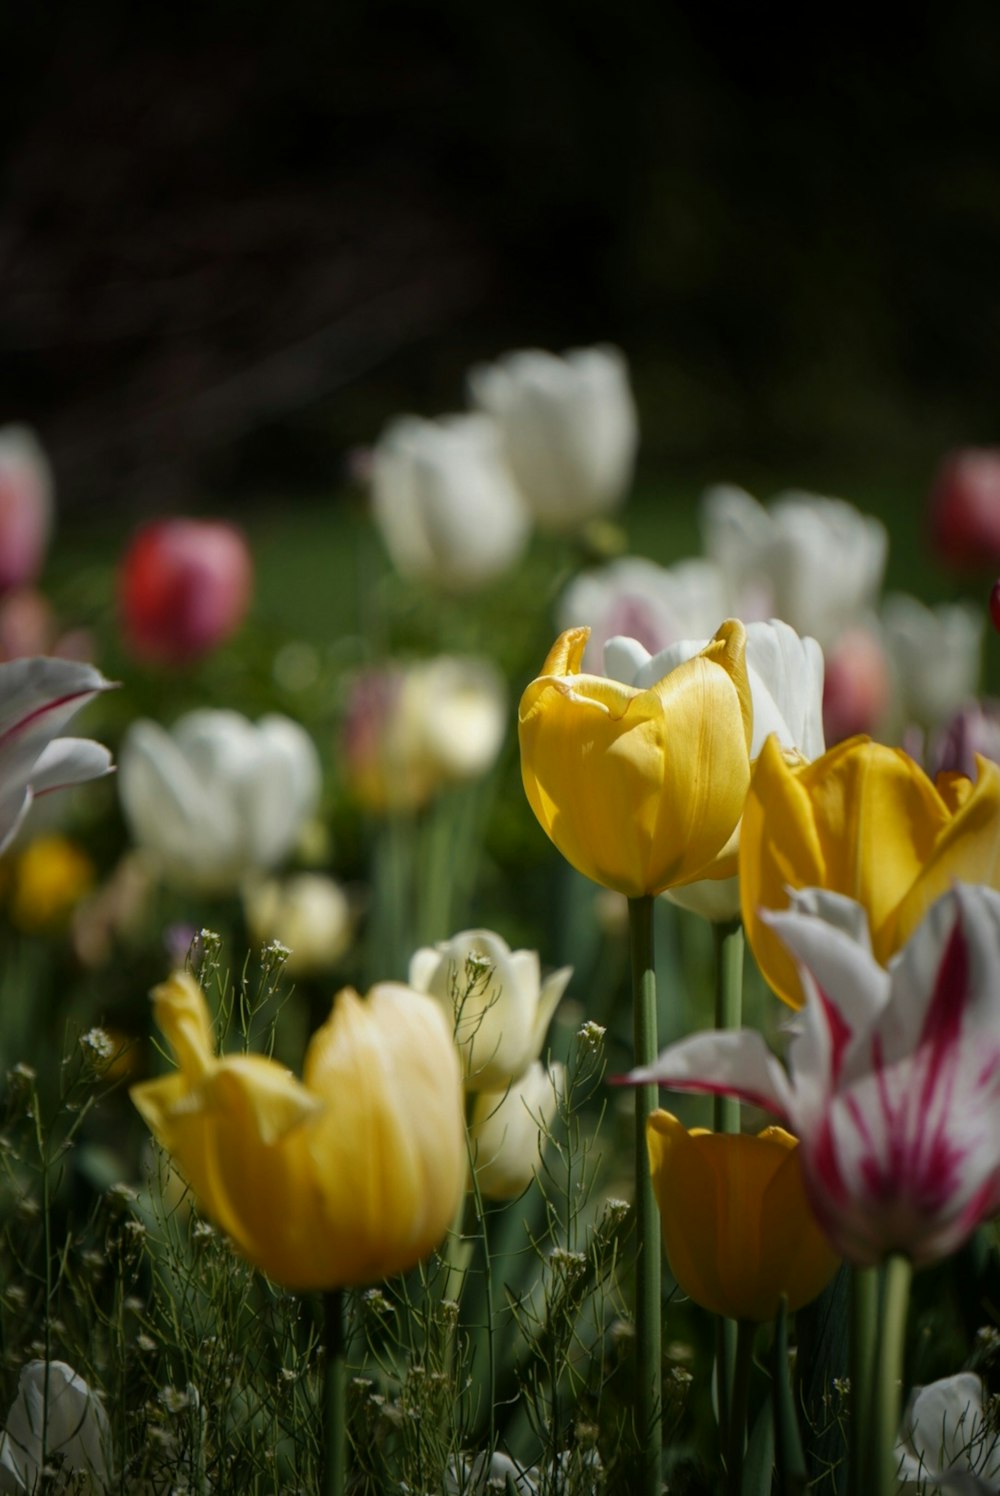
(235, 238)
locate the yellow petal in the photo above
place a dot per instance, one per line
(801, 1258)
(861, 820)
(967, 850)
(180, 1011)
(639, 790)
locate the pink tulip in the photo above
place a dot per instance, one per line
(892, 1082)
(964, 510)
(184, 587)
(855, 686)
(25, 506)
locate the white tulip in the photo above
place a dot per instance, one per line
(500, 1007)
(63, 1421)
(816, 563)
(308, 913)
(508, 1130)
(412, 729)
(786, 684)
(569, 426)
(445, 501)
(218, 798)
(37, 699)
(946, 1442)
(656, 605)
(935, 656)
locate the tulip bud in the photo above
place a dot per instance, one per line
(25, 506)
(507, 1130)
(856, 685)
(184, 587)
(964, 509)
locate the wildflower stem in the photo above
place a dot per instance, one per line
(726, 1118)
(334, 1396)
(889, 1371)
(648, 1400)
(864, 1321)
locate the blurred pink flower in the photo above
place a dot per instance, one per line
(25, 506)
(856, 688)
(893, 1076)
(964, 509)
(184, 587)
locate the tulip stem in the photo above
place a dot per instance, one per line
(864, 1322)
(334, 1395)
(736, 1432)
(726, 1118)
(648, 1400)
(885, 1406)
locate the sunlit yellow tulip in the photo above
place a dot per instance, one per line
(639, 789)
(863, 820)
(344, 1178)
(737, 1227)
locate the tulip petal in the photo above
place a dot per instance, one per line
(68, 761)
(733, 1062)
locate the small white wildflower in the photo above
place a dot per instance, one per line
(98, 1044)
(592, 1034)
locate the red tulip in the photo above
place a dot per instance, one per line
(184, 587)
(964, 512)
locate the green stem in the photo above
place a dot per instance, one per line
(864, 1322)
(736, 1433)
(648, 1394)
(885, 1406)
(726, 1118)
(728, 1007)
(334, 1396)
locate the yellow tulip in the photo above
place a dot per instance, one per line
(50, 878)
(344, 1178)
(863, 820)
(737, 1226)
(639, 789)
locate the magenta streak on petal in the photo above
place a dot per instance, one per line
(839, 1030)
(825, 1163)
(932, 1160)
(50, 706)
(989, 1071)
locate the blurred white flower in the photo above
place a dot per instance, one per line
(816, 563)
(445, 501)
(64, 1425)
(307, 912)
(569, 427)
(508, 1128)
(935, 655)
(412, 729)
(655, 605)
(786, 683)
(218, 797)
(946, 1442)
(497, 1000)
(37, 699)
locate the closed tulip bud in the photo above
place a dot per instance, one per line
(507, 1130)
(964, 509)
(25, 506)
(737, 1226)
(445, 502)
(411, 730)
(935, 653)
(856, 686)
(569, 428)
(866, 821)
(346, 1177)
(495, 999)
(56, 1422)
(184, 587)
(947, 1441)
(308, 913)
(786, 685)
(217, 798)
(639, 789)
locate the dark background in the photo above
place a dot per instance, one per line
(236, 238)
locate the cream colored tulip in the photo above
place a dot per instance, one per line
(507, 1130)
(496, 1000)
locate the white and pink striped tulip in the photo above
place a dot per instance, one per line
(892, 1076)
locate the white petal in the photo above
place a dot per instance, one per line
(730, 1063)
